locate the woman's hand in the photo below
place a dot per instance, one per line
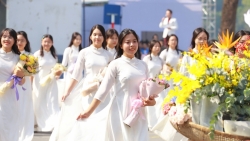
(58, 73)
(18, 72)
(64, 97)
(22, 81)
(84, 114)
(90, 110)
(150, 101)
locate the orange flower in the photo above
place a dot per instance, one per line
(226, 41)
(204, 49)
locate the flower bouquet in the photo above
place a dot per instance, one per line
(56, 72)
(219, 80)
(94, 83)
(177, 114)
(167, 106)
(149, 88)
(29, 65)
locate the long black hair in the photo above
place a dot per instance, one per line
(122, 35)
(101, 28)
(196, 32)
(73, 37)
(177, 47)
(27, 46)
(110, 33)
(13, 34)
(151, 45)
(52, 49)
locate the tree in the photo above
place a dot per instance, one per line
(228, 16)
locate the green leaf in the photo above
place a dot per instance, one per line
(240, 98)
(216, 88)
(247, 93)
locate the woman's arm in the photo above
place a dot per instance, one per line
(76, 75)
(69, 88)
(107, 82)
(90, 109)
(163, 24)
(66, 57)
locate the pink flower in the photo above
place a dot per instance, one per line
(177, 114)
(172, 111)
(167, 107)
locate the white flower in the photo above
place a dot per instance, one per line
(215, 99)
(247, 17)
(177, 114)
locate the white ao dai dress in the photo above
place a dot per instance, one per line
(45, 98)
(154, 65)
(112, 51)
(154, 68)
(69, 59)
(9, 114)
(125, 75)
(170, 56)
(90, 60)
(163, 127)
(26, 111)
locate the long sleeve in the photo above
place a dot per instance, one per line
(163, 55)
(79, 66)
(174, 24)
(163, 24)
(65, 61)
(107, 82)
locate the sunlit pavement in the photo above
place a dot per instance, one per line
(45, 137)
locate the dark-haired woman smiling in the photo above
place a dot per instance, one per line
(46, 106)
(9, 56)
(124, 73)
(91, 60)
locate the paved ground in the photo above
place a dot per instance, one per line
(45, 137)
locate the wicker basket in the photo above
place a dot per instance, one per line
(197, 132)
